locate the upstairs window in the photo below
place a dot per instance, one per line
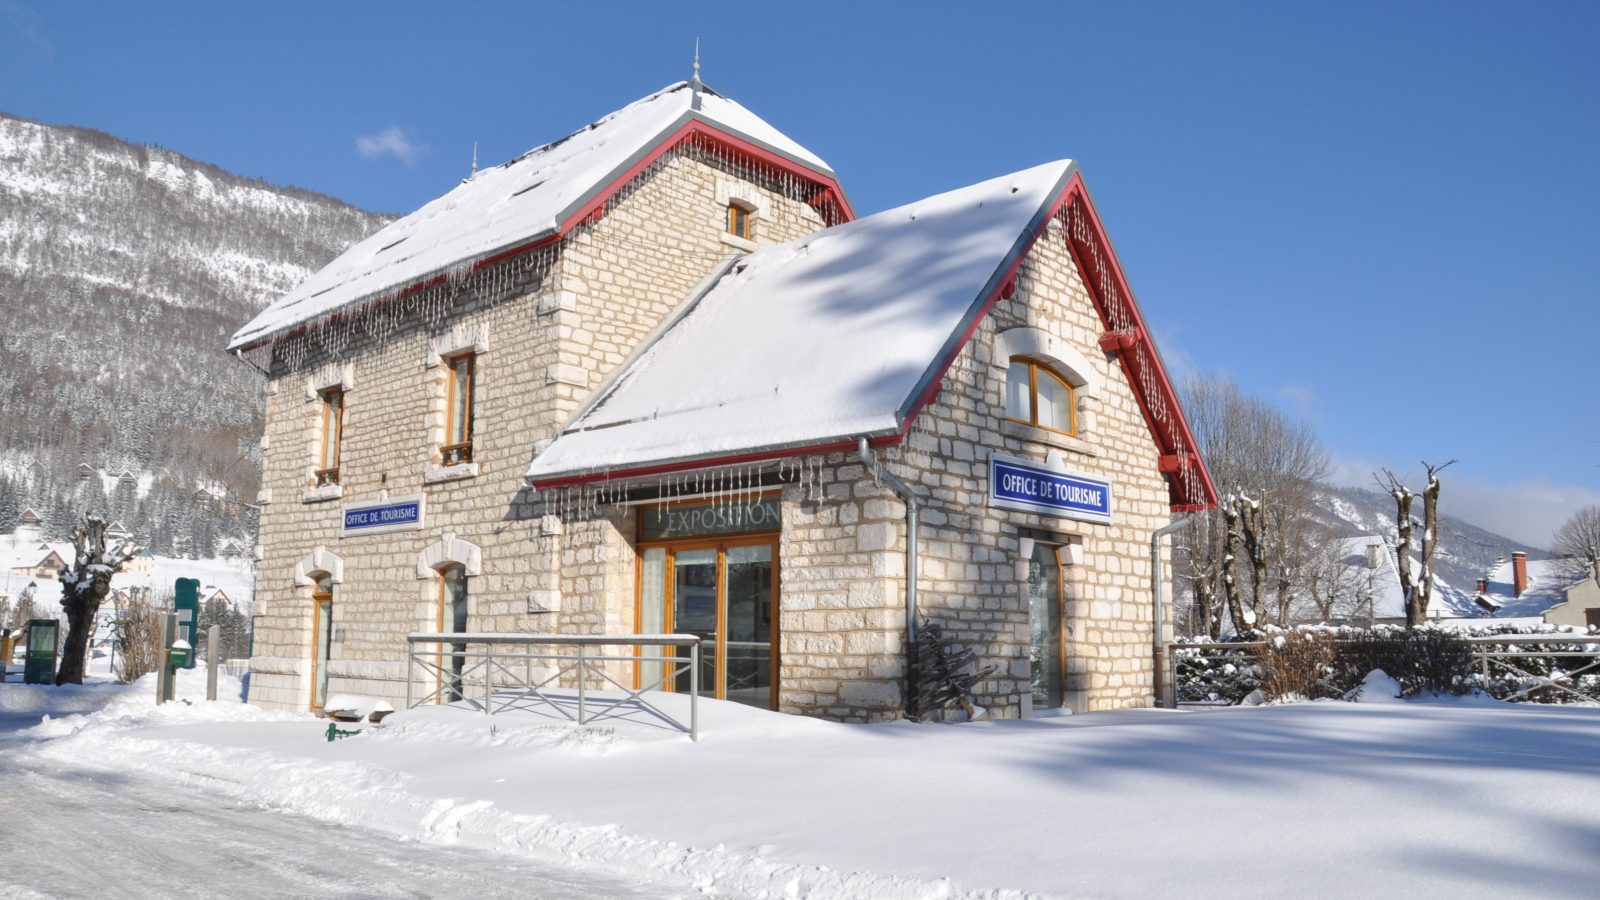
(1037, 396)
(332, 437)
(738, 221)
(458, 448)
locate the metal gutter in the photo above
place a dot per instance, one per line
(912, 510)
(1158, 647)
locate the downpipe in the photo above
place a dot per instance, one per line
(912, 508)
(1158, 649)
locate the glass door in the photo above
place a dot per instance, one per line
(747, 628)
(694, 611)
(1044, 620)
(321, 642)
(726, 595)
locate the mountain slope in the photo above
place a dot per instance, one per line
(123, 270)
(1465, 552)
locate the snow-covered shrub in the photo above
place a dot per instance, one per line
(1299, 665)
(1319, 661)
(1423, 660)
(1209, 674)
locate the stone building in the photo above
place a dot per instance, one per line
(657, 378)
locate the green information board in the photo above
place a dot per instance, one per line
(40, 665)
(186, 603)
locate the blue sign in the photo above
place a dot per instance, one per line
(395, 514)
(1027, 486)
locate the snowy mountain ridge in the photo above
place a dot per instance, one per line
(1466, 551)
(123, 270)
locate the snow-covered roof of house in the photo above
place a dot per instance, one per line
(1388, 600)
(540, 194)
(1546, 587)
(818, 341)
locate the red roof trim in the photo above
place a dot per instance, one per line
(1173, 435)
(696, 127)
(830, 193)
(1169, 436)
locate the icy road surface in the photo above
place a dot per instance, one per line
(69, 833)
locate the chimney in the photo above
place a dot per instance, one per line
(1483, 585)
(1519, 573)
(1374, 555)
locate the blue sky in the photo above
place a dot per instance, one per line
(1382, 216)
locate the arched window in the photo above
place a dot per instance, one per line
(1037, 396)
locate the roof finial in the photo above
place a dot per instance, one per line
(474, 157)
(695, 85)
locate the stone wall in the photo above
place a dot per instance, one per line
(843, 551)
(842, 613)
(547, 330)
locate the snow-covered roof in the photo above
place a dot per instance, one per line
(1388, 600)
(817, 341)
(507, 206)
(1546, 587)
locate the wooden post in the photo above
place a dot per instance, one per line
(213, 638)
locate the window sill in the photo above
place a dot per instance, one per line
(1036, 435)
(451, 473)
(733, 240)
(326, 492)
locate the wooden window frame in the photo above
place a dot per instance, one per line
(739, 215)
(1034, 366)
(721, 543)
(319, 597)
(438, 678)
(459, 452)
(332, 429)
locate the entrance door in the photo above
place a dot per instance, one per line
(725, 594)
(321, 641)
(453, 620)
(1044, 620)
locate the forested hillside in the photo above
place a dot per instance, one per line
(123, 271)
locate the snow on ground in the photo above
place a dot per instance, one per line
(1404, 799)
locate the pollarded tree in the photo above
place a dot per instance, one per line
(84, 587)
(1417, 593)
(1430, 543)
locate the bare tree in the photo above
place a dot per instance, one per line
(1243, 619)
(138, 636)
(1394, 487)
(1272, 465)
(84, 587)
(1417, 592)
(1578, 539)
(1417, 613)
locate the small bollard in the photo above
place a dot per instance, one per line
(334, 732)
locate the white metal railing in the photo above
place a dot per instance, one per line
(502, 674)
(1515, 662)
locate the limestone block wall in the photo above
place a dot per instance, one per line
(844, 539)
(547, 328)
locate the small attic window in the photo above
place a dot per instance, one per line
(738, 221)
